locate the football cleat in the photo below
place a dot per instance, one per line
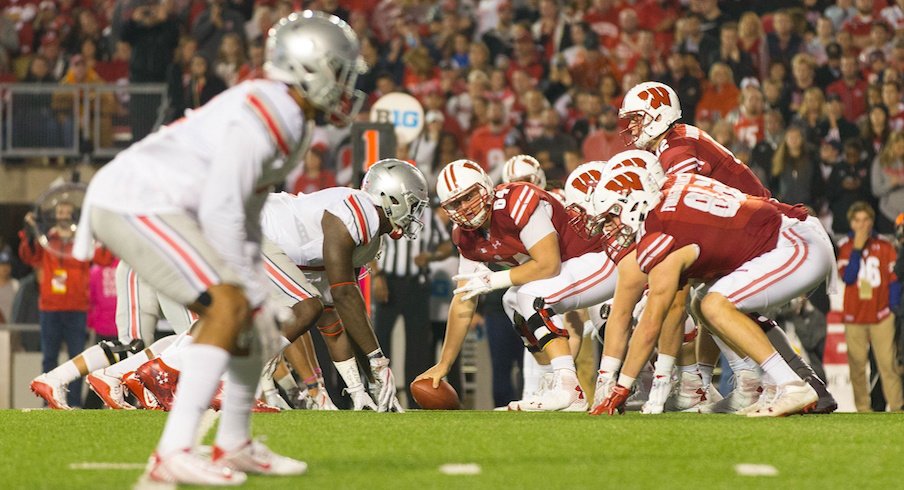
(109, 389)
(659, 394)
(641, 392)
(565, 394)
(187, 468)
(137, 389)
(688, 394)
(712, 397)
(747, 391)
(254, 457)
(825, 405)
(52, 391)
(790, 399)
(605, 381)
(261, 407)
(361, 400)
(765, 398)
(160, 380)
(273, 398)
(546, 382)
(323, 400)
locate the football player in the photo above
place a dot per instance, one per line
(553, 270)
(652, 111)
(182, 207)
(681, 231)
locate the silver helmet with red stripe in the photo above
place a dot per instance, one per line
(320, 55)
(401, 190)
(465, 191)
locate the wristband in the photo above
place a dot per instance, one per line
(500, 279)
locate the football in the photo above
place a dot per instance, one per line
(430, 398)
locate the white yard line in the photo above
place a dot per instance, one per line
(106, 466)
(460, 469)
(748, 469)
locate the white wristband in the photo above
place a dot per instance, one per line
(500, 280)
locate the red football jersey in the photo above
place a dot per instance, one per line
(689, 149)
(866, 301)
(728, 227)
(512, 209)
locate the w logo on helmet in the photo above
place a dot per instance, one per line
(587, 181)
(624, 183)
(656, 96)
(631, 162)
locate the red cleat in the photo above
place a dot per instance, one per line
(161, 380)
(51, 390)
(136, 388)
(261, 407)
(109, 389)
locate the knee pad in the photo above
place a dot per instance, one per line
(526, 334)
(116, 351)
(331, 329)
(541, 327)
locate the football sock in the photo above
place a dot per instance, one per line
(174, 356)
(287, 382)
(609, 364)
(66, 372)
(563, 363)
(348, 370)
(533, 373)
(690, 368)
(132, 362)
(664, 365)
(706, 372)
(95, 358)
(200, 377)
(778, 370)
(782, 344)
(238, 396)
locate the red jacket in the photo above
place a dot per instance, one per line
(64, 280)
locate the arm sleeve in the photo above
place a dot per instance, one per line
(539, 225)
(28, 252)
(679, 161)
(894, 295)
(653, 249)
(851, 269)
(230, 206)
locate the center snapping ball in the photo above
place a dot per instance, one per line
(430, 398)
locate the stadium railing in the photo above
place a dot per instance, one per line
(88, 120)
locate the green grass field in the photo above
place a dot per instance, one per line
(513, 450)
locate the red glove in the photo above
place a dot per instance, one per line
(614, 402)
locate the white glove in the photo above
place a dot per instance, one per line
(267, 321)
(482, 282)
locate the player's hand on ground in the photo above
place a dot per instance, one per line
(436, 374)
(615, 402)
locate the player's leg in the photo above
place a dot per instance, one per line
(343, 354)
(882, 343)
(582, 282)
(46, 387)
(670, 340)
(171, 253)
(803, 258)
(322, 396)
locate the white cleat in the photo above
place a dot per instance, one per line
(659, 394)
(688, 395)
(109, 389)
(361, 400)
(712, 397)
(187, 468)
(605, 381)
(545, 383)
(274, 399)
(565, 394)
(52, 390)
(748, 387)
(641, 393)
(765, 399)
(790, 399)
(254, 457)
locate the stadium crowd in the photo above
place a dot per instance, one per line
(807, 93)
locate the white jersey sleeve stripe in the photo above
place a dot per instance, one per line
(361, 205)
(660, 246)
(686, 165)
(360, 219)
(641, 257)
(521, 206)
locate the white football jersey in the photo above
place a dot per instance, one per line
(294, 223)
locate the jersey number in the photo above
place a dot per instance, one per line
(716, 199)
(499, 203)
(869, 271)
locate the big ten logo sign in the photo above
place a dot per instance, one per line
(403, 111)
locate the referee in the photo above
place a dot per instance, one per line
(401, 286)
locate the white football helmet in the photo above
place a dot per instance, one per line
(621, 202)
(401, 190)
(579, 189)
(524, 168)
(637, 158)
(650, 108)
(466, 193)
(320, 55)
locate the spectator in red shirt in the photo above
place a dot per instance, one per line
(872, 290)
(859, 25)
(720, 94)
(524, 55)
(314, 177)
(851, 88)
(64, 289)
(487, 144)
